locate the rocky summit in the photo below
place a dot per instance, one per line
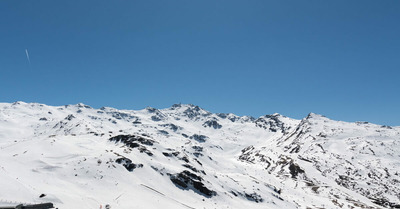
(76, 156)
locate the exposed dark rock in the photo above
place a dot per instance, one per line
(233, 118)
(127, 163)
(170, 154)
(296, 149)
(113, 121)
(222, 115)
(143, 149)
(192, 111)
(175, 106)
(84, 106)
(345, 181)
(198, 162)
(188, 180)
(69, 117)
(197, 154)
(271, 123)
(212, 123)
(254, 197)
(130, 140)
(93, 117)
(134, 141)
(197, 148)
(295, 170)
(199, 138)
(172, 126)
(158, 116)
(193, 169)
(121, 115)
(247, 154)
(234, 193)
(151, 109)
(198, 151)
(184, 158)
(385, 203)
(145, 135)
(163, 132)
(305, 159)
(385, 126)
(155, 118)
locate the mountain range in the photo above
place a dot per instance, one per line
(76, 156)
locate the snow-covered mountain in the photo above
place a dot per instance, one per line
(76, 156)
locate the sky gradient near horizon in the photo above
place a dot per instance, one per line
(337, 58)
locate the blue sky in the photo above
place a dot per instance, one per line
(336, 58)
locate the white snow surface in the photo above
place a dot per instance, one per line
(76, 156)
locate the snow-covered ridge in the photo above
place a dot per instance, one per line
(187, 157)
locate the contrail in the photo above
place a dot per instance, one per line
(27, 56)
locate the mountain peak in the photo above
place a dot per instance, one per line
(83, 106)
(314, 115)
(180, 106)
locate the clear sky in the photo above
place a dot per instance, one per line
(338, 58)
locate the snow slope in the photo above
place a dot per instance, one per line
(186, 157)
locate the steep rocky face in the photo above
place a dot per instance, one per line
(189, 180)
(357, 156)
(273, 123)
(185, 156)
